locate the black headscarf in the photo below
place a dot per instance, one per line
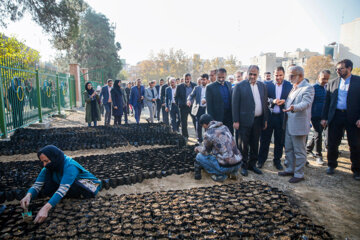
(94, 113)
(91, 91)
(117, 87)
(56, 156)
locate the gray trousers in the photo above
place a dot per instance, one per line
(152, 107)
(295, 154)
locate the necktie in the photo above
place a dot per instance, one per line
(153, 94)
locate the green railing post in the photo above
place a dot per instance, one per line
(103, 77)
(2, 111)
(69, 83)
(58, 93)
(39, 95)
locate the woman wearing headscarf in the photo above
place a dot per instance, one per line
(117, 98)
(92, 108)
(60, 176)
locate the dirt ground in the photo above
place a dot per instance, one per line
(331, 201)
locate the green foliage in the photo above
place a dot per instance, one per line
(10, 47)
(95, 48)
(58, 18)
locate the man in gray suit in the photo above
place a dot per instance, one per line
(150, 100)
(250, 112)
(297, 122)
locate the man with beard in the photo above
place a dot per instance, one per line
(218, 100)
(278, 92)
(297, 118)
(182, 92)
(342, 111)
(250, 114)
(316, 110)
(199, 106)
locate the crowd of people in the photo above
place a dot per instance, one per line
(237, 115)
(254, 112)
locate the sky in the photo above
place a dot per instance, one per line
(211, 28)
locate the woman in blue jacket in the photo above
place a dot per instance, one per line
(60, 176)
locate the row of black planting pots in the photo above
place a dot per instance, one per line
(22, 142)
(174, 214)
(116, 169)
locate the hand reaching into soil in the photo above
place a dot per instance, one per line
(43, 213)
(24, 203)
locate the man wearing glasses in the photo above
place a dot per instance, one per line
(342, 111)
(250, 112)
(297, 118)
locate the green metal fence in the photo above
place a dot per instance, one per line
(95, 76)
(27, 94)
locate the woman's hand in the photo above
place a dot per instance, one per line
(43, 213)
(24, 203)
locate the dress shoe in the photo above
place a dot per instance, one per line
(278, 166)
(310, 153)
(296, 180)
(285, 174)
(330, 171)
(260, 164)
(357, 176)
(244, 172)
(255, 170)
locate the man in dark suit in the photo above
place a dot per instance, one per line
(137, 99)
(342, 111)
(105, 94)
(158, 101)
(278, 92)
(170, 105)
(316, 110)
(250, 112)
(162, 100)
(199, 106)
(218, 100)
(182, 92)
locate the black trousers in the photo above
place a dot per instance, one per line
(275, 125)
(158, 108)
(227, 120)
(126, 112)
(184, 113)
(165, 115)
(336, 131)
(249, 140)
(117, 120)
(175, 117)
(316, 139)
(200, 112)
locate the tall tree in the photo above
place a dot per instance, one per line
(315, 65)
(95, 48)
(58, 18)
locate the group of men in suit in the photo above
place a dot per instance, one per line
(257, 110)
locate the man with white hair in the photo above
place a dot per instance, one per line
(231, 80)
(150, 100)
(297, 119)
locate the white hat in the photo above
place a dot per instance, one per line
(98, 88)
